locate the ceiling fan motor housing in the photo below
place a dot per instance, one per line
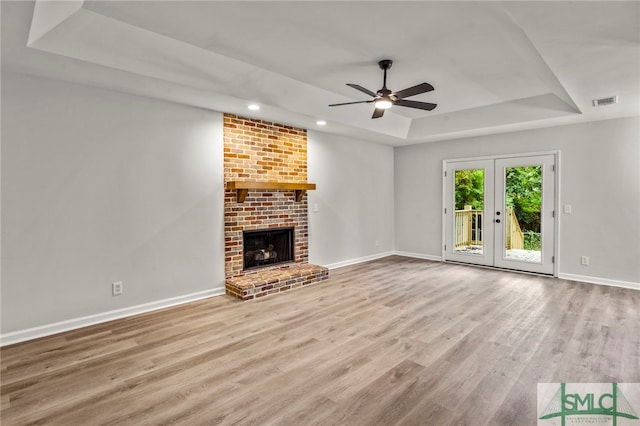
(386, 93)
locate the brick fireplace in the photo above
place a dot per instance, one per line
(265, 169)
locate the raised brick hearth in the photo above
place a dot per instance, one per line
(262, 151)
(272, 281)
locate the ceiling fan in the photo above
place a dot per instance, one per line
(385, 98)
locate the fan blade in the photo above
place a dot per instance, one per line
(377, 113)
(415, 104)
(351, 103)
(415, 90)
(362, 89)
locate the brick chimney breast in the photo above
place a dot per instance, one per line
(262, 151)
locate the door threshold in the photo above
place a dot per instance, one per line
(495, 268)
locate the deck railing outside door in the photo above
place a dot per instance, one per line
(514, 235)
(469, 228)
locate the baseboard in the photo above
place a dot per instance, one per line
(380, 256)
(418, 256)
(571, 277)
(75, 323)
(600, 281)
(359, 260)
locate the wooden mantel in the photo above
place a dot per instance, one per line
(243, 187)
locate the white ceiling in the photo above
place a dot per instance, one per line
(495, 66)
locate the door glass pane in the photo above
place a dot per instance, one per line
(469, 206)
(523, 199)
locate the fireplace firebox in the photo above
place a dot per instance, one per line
(267, 247)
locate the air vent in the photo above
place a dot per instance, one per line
(605, 101)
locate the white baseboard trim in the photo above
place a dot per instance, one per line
(418, 256)
(600, 281)
(572, 277)
(359, 260)
(75, 323)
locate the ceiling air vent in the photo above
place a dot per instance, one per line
(605, 101)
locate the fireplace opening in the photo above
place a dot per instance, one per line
(267, 247)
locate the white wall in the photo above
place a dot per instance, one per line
(354, 199)
(99, 187)
(600, 178)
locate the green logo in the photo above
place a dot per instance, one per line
(583, 403)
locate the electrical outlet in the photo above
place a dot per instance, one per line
(377, 243)
(567, 208)
(584, 260)
(117, 288)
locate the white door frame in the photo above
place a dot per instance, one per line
(557, 197)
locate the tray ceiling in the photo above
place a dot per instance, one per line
(495, 66)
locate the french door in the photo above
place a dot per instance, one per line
(501, 212)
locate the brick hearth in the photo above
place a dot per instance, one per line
(262, 151)
(273, 281)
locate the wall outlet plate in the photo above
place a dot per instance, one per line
(117, 288)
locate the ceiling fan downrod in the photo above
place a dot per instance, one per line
(384, 65)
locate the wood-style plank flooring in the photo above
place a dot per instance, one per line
(395, 341)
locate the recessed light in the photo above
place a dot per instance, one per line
(321, 122)
(254, 107)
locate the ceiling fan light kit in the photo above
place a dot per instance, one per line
(383, 103)
(385, 98)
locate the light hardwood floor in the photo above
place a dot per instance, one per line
(395, 341)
